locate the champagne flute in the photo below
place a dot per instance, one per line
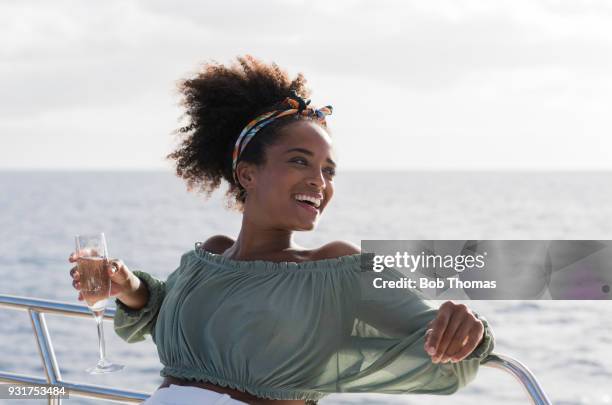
(93, 262)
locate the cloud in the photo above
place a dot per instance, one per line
(69, 53)
(437, 68)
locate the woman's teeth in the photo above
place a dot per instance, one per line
(316, 202)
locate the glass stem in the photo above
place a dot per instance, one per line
(101, 345)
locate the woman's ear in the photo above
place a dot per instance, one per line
(245, 173)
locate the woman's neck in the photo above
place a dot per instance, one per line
(259, 242)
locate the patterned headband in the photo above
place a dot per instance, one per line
(298, 106)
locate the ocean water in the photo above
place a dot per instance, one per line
(150, 220)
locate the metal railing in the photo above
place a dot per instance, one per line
(519, 371)
(36, 309)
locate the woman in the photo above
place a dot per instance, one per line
(259, 319)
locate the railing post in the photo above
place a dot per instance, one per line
(45, 349)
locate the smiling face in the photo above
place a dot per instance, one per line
(295, 184)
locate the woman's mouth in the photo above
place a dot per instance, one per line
(308, 202)
(308, 207)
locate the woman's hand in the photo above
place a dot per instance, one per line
(123, 281)
(454, 334)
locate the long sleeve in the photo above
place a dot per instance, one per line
(385, 351)
(133, 325)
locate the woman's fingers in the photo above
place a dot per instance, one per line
(473, 339)
(118, 271)
(459, 341)
(458, 317)
(438, 327)
(76, 278)
(453, 334)
(114, 265)
(74, 273)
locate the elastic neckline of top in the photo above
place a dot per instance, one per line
(350, 261)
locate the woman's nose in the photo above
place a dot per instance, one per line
(317, 180)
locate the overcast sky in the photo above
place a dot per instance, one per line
(415, 85)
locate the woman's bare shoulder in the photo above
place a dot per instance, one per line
(218, 244)
(335, 249)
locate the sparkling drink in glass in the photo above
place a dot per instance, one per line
(93, 265)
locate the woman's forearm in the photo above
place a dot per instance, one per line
(135, 297)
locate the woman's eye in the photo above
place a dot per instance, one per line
(330, 171)
(300, 161)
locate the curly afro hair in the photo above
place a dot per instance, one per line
(219, 102)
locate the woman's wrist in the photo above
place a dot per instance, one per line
(136, 294)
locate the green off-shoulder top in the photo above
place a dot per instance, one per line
(292, 330)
